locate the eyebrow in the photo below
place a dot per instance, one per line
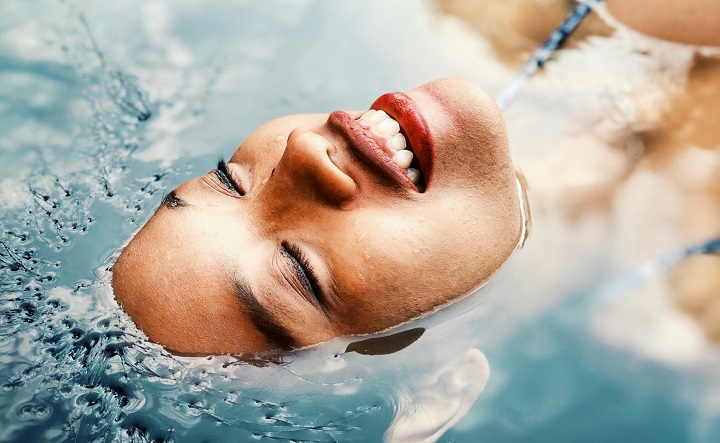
(172, 201)
(264, 320)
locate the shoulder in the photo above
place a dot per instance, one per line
(690, 22)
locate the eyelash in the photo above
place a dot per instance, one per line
(223, 175)
(305, 270)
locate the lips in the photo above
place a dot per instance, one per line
(413, 126)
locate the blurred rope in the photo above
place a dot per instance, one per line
(546, 51)
(654, 268)
(542, 55)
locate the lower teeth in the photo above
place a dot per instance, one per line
(413, 174)
(403, 158)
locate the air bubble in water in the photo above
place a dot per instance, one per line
(34, 410)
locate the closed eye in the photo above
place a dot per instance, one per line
(305, 272)
(227, 179)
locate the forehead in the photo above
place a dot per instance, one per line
(179, 293)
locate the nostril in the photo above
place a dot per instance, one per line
(331, 150)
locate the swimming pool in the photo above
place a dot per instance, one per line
(107, 106)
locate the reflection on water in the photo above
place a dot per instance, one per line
(106, 107)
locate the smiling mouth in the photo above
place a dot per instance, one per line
(394, 137)
(413, 126)
(386, 132)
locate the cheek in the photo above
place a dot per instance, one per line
(378, 271)
(391, 265)
(441, 249)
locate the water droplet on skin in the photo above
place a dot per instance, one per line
(279, 138)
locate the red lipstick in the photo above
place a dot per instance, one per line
(413, 126)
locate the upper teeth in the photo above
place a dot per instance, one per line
(386, 132)
(388, 127)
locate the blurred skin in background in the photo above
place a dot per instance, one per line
(515, 29)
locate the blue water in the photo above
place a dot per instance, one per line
(105, 106)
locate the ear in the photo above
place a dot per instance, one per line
(441, 400)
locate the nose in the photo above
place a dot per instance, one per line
(306, 169)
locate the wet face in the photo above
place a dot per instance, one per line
(321, 226)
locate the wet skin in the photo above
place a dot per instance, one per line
(315, 236)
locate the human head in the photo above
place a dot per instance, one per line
(314, 232)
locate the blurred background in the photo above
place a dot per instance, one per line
(107, 105)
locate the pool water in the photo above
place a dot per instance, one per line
(107, 106)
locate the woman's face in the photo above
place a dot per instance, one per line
(315, 231)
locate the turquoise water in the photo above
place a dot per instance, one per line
(104, 107)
